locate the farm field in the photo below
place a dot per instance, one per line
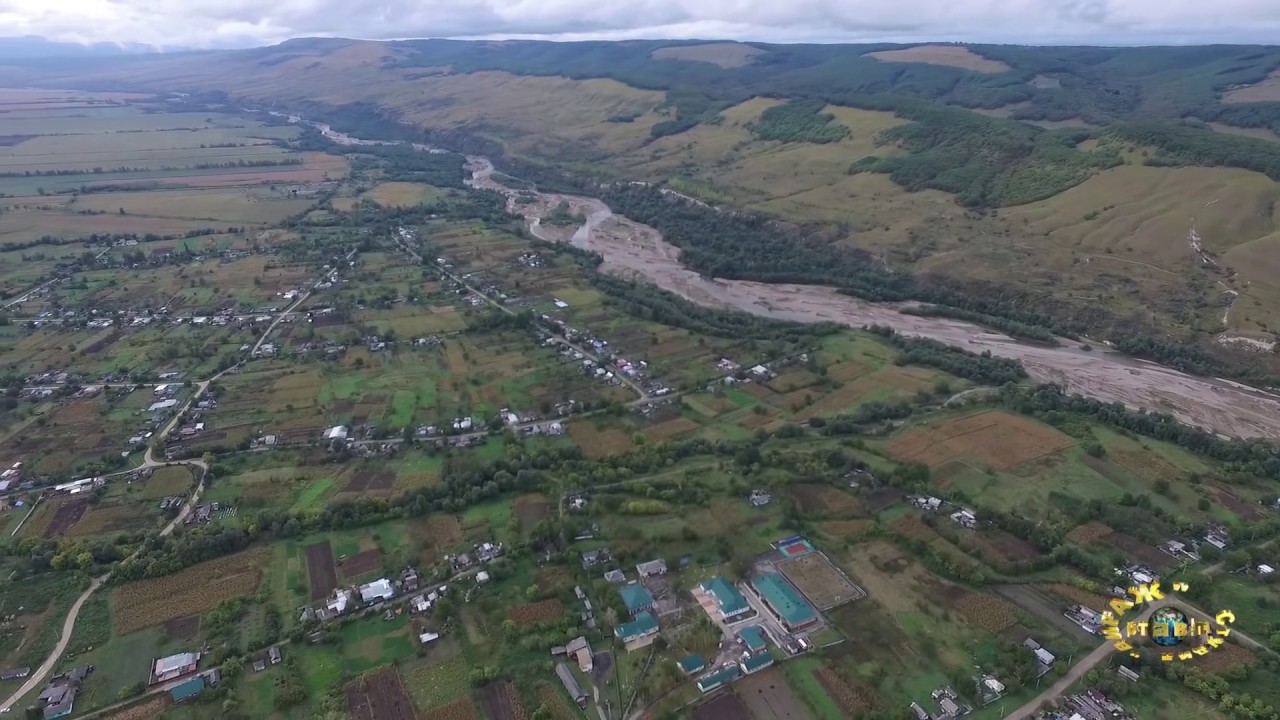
(145, 603)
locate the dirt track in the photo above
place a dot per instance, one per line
(634, 250)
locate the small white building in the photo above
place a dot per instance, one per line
(337, 432)
(162, 405)
(1265, 569)
(428, 637)
(482, 577)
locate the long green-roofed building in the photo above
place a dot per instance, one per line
(729, 601)
(785, 601)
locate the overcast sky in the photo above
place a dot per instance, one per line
(221, 23)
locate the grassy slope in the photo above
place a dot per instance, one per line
(1133, 256)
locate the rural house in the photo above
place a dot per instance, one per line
(638, 633)
(173, 666)
(591, 558)
(636, 598)
(692, 664)
(652, 568)
(715, 679)
(187, 690)
(730, 604)
(376, 591)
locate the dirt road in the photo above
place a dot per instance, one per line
(1106, 650)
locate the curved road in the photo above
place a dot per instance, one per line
(1106, 650)
(149, 461)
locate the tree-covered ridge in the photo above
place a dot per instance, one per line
(799, 121)
(983, 161)
(1181, 144)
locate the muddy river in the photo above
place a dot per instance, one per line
(638, 251)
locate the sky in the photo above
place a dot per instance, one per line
(243, 23)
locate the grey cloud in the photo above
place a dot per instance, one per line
(205, 23)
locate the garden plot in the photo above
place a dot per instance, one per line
(192, 591)
(993, 438)
(379, 696)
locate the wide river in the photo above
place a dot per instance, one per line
(638, 251)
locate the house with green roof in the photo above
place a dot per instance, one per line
(636, 598)
(757, 662)
(187, 690)
(785, 601)
(730, 603)
(713, 680)
(639, 632)
(753, 637)
(692, 664)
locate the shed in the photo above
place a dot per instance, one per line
(692, 664)
(756, 662)
(753, 638)
(653, 567)
(571, 684)
(713, 680)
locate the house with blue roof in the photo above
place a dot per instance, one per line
(636, 598)
(187, 690)
(756, 662)
(692, 664)
(713, 680)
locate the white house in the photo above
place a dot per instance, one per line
(377, 591)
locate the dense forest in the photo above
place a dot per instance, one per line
(799, 121)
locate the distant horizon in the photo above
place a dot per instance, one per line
(135, 48)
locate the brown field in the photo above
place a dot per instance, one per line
(316, 167)
(597, 444)
(986, 611)
(109, 517)
(1246, 510)
(553, 577)
(193, 591)
(993, 438)
(322, 578)
(366, 561)
(1266, 91)
(824, 501)
(554, 702)
(724, 54)
(670, 429)
(1089, 532)
(847, 370)
(999, 546)
(855, 702)
(534, 613)
(713, 405)
(501, 701)
(402, 194)
(152, 708)
(949, 55)
(1225, 657)
(725, 706)
(68, 513)
(1140, 551)
(460, 709)
(437, 533)
(768, 696)
(1092, 600)
(838, 530)
(184, 628)
(820, 581)
(1146, 465)
(911, 526)
(886, 384)
(530, 510)
(379, 695)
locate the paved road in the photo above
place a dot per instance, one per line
(1105, 651)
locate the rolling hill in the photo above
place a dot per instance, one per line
(1112, 190)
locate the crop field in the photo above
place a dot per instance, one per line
(113, 515)
(768, 697)
(148, 710)
(57, 516)
(165, 481)
(853, 701)
(725, 706)
(998, 546)
(952, 56)
(824, 501)
(1136, 549)
(461, 709)
(538, 612)
(530, 510)
(379, 696)
(1092, 600)
(597, 443)
(992, 438)
(219, 205)
(403, 194)
(1089, 532)
(362, 563)
(71, 434)
(434, 686)
(986, 611)
(887, 384)
(820, 581)
(501, 701)
(554, 702)
(192, 591)
(321, 576)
